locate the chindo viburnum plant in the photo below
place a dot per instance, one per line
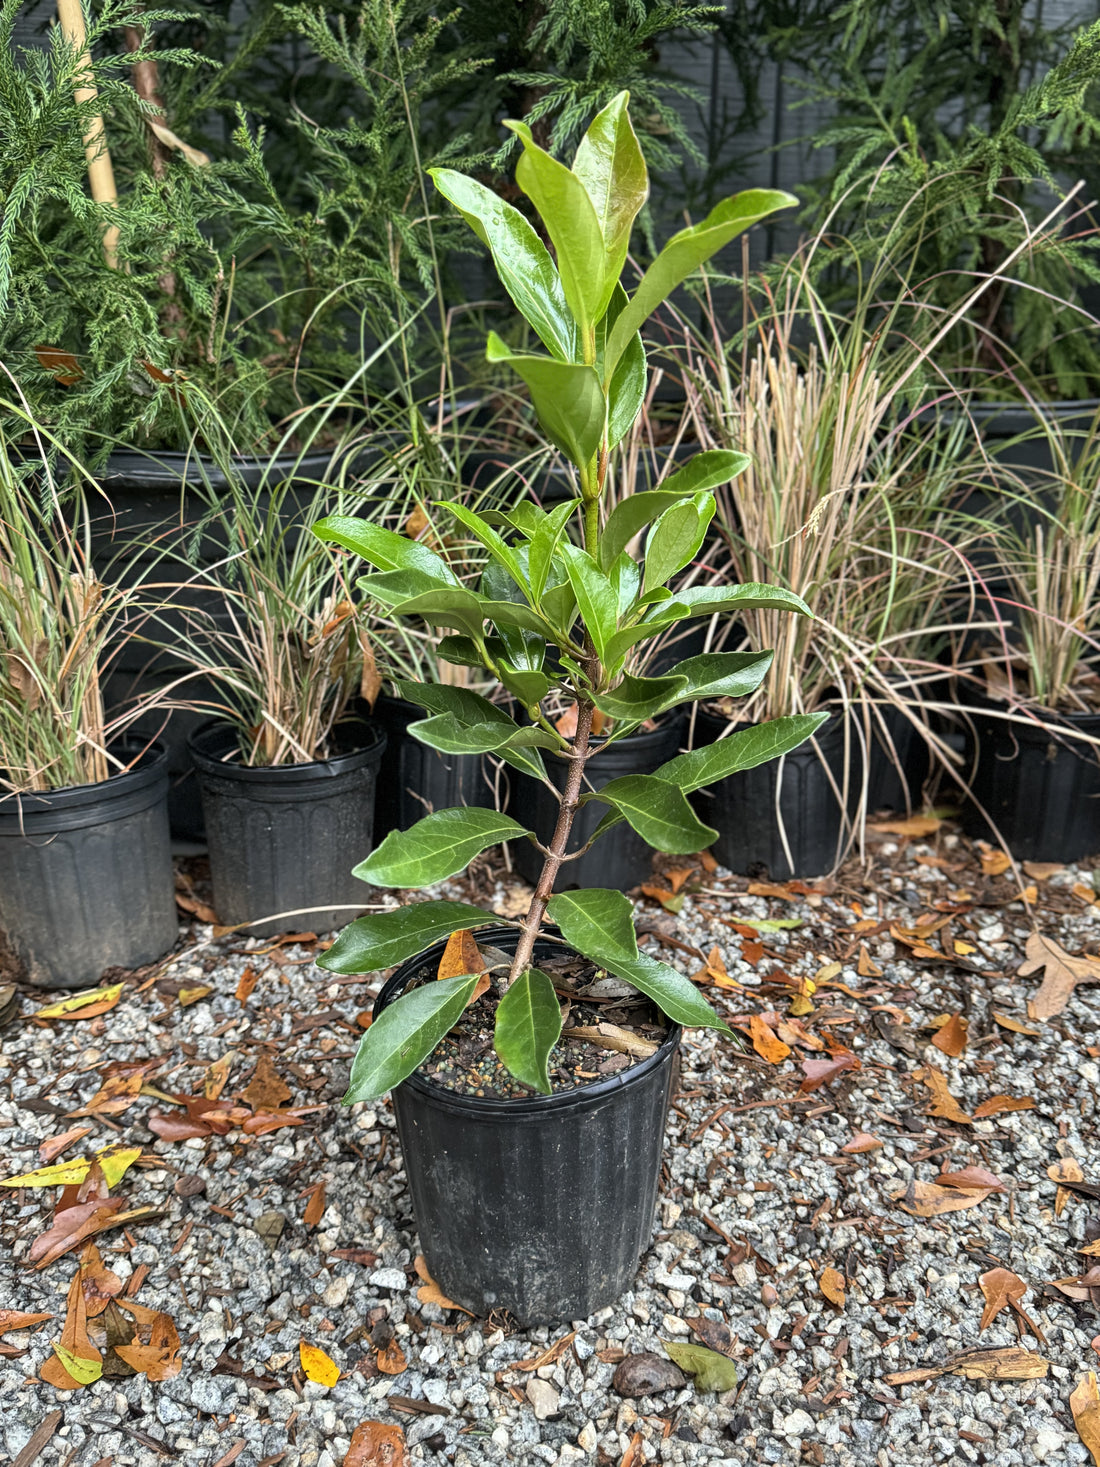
(561, 604)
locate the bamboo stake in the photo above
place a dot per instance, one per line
(101, 174)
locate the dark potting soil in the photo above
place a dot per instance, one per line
(466, 1061)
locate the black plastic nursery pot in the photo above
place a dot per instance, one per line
(619, 859)
(793, 796)
(86, 875)
(1038, 785)
(285, 838)
(542, 1206)
(414, 780)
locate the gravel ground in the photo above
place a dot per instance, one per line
(759, 1199)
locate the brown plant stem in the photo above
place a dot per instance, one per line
(146, 76)
(570, 801)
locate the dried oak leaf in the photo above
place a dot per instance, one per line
(1062, 973)
(100, 1283)
(315, 1207)
(862, 1141)
(431, 1293)
(998, 1103)
(11, 1319)
(943, 1103)
(265, 1090)
(391, 1359)
(75, 1361)
(925, 1199)
(1068, 1169)
(1000, 1288)
(820, 1072)
(971, 1179)
(646, 1374)
(714, 1333)
(765, 1041)
(951, 1037)
(159, 1359)
(1084, 1289)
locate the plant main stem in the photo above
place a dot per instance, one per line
(566, 812)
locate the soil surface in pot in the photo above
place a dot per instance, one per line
(608, 1027)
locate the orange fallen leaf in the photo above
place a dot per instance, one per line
(634, 1456)
(715, 972)
(1082, 1288)
(1066, 1170)
(461, 956)
(678, 876)
(317, 1366)
(78, 1362)
(391, 1359)
(1001, 1289)
(915, 825)
(113, 1096)
(951, 1037)
(867, 968)
(943, 1103)
(1042, 870)
(246, 984)
(376, 1445)
(431, 1293)
(99, 1283)
(994, 863)
(1083, 892)
(87, 1005)
(16, 1319)
(50, 1150)
(832, 1284)
(971, 1179)
(998, 1103)
(315, 1207)
(765, 1042)
(217, 1075)
(1085, 1405)
(860, 1142)
(159, 1359)
(195, 908)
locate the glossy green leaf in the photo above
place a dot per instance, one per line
(570, 221)
(626, 580)
(516, 746)
(404, 1035)
(595, 595)
(521, 259)
(436, 847)
(567, 398)
(464, 703)
(390, 588)
(600, 925)
(528, 1025)
(610, 165)
(450, 606)
(515, 614)
(381, 939)
(706, 470)
(494, 543)
(712, 1371)
(382, 548)
(626, 391)
(528, 687)
(658, 811)
(635, 699)
(463, 651)
(543, 543)
(674, 539)
(629, 517)
(684, 253)
(673, 994)
(720, 675)
(750, 596)
(595, 919)
(744, 749)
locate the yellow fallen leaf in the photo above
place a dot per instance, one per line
(192, 995)
(1084, 892)
(82, 1371)
(915, 825)
(1012, 1025)
(317, 1366)
(70, 1007)
(114, 1160)
(993, 862)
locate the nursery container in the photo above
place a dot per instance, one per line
(542, 1206)
(286, 837)
(1039, 786)
(798, 790)
(415, 780)
(621, 858)
(86, 874)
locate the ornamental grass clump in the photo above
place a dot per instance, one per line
(565, 597)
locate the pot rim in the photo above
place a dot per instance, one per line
(341, 763)
(535, 1106)
(150, 766)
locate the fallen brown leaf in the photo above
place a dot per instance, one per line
(461, 955)
(915, 825)
(998, 1103)
(1085, 1405)
(217, 1075)
(943, 1103)
(549, 1356)
(862, 1141)
(867, 968)
(1014, 1026)
(1084, 1289)
(265, 1090)
(1042, 870)
(994, 863)
(100, 1283)
(765, 1042)
(376, 1445)
(391, 1359)
(925, 1199)
(634, 1456)
(74, 1339)
(1066, 1170)
(1000, 1288)
(971, 1179)
(246, 984)
(1062, 973)
(431, 1293)
(16, 1319)
(611, 1036)
(159, 1359)
(832, 1284)
(315, 1207)
(50, 1150)
(820, 1072)
(951, 1037)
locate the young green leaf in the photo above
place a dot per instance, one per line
(522, 260)
(567, 398)
(630, 516)
(381, 939)
(744, 749)
(720, 675)
(712, 1372)
(494, 543)
(528, 1024)
(451, 606)
(570, 221)
(626, 390)
(658, 811)
(436, 847)
(543, 543)
(684, 253)
(382, 548)
(609, 163)
(599, 605)
(674, 539)
(451, 736)
(404, 1034)
(707, 470)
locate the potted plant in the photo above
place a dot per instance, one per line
(85, 863)
(532, 1196)
(1032, 692)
